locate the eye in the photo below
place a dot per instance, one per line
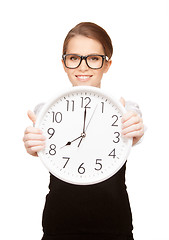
(94, 58)
(73, 58)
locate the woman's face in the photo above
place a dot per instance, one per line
(83, 75)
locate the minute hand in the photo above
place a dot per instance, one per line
(84, 130)
(83, 134)
(84, 121)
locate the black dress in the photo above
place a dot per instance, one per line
(93, 212)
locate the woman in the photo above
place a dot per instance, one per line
(99, 211)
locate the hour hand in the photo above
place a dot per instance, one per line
(70, 142)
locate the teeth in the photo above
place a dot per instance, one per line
(83, 77)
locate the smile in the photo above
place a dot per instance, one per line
(83, 77)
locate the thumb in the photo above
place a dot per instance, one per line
(32, 116)
(123, 102)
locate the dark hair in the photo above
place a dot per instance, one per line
(93, 31)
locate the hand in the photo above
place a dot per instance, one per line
(132, 125)
(33, 139)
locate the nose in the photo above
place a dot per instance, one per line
(83, 66)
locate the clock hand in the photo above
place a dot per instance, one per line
(84, 130)
(70, 142)
(91, 118)
(84, 121)
(80, 141)
(83, 134)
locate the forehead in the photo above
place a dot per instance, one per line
(84, 46)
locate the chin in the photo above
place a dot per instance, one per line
(86, 83)
(82, 84)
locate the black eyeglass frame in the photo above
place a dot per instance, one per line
(83, 58)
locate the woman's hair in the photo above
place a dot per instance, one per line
(93, 31)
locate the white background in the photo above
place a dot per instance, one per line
(32, 34)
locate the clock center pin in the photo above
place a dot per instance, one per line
(83, 135)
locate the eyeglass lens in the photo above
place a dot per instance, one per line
(93, 61)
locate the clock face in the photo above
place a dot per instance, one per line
(83, 136)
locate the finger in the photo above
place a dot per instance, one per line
(31, 136)
(37, 148)
(31, 116)
(127, 116)
(136, 134)
(33, 151)
(132, 121)
(132, 128)
(34, 143)
(123, 102)
(34, 130)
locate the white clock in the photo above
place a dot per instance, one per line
(82, 127)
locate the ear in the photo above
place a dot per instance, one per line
(107, 65)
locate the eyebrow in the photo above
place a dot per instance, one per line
(86, 54)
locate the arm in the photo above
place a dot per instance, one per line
(132, 123)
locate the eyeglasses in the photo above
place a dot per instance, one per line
(93, 61)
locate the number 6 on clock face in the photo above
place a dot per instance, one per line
(83, 136)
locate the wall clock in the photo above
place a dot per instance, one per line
(82, 127)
